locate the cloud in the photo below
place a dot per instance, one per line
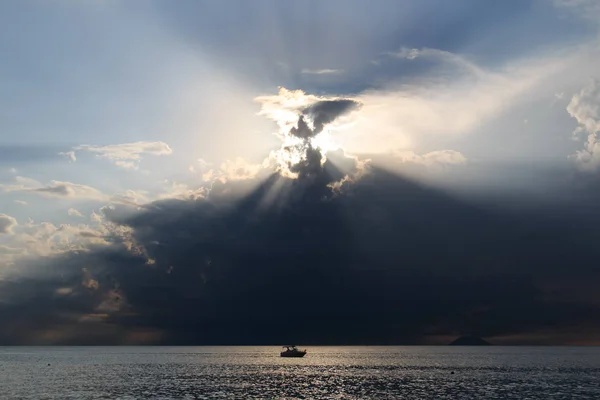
(364, 255)
(452, 98)
(372, 257)
(303, 154)
(586, 9)
(61, 189)
(302, 119)
(74, 213)
(6, 250)
(439, 157)
(130, 197)
(33, 241)
(239, 169)
(54, 189)
(21, 202)
(204, 168)
(87, 281)
(286, 108)
(230, 169)
(68, 189)
(585, 108)
(319, 114)
(325, 71)
(7, 223)
(182, 191)
(70, 155)
(95, 217)
(440, 55)
(126, 164)
(128, 155)
(327, 111)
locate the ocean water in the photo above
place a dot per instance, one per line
(324, 373)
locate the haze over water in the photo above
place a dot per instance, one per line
(326, 372)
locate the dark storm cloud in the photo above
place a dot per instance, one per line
(57, 303)
(384, 261)
(326, 111)
(322, 113)
(302, 131)
(310, 168)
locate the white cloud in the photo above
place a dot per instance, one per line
(285, 109)
(285, 106)
(585, 108)
(7, 256)
(587, 9)
(12, 170)
(7, 250)
(234, 170)
(45, 238)
(130, 197)
(438, 157)
(126, 164)
(53, 189)
(182, 191)
(324, 71)
(95, 217)
(74, 213)
(6, 224)
(240, 169)
(455, 99)
(21, 202)
(70, 155)
(439, 55)
(203, 164)
(128, 155)
(205, 169)
(68, 189)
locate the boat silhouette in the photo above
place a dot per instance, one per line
(292, 351)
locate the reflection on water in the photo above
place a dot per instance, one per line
(326, 372)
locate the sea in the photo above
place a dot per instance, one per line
(432, 372)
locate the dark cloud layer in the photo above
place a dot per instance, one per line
(326, 111)
(310, 165)
(384, 261)
(322, 113)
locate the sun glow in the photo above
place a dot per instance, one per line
(293, 151)
(306, 123)
(324, 142)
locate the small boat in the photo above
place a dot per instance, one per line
(292, 351)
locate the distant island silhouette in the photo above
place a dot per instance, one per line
(470, 341)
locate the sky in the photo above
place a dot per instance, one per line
(266, 172)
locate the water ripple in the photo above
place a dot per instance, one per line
(325, 373)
